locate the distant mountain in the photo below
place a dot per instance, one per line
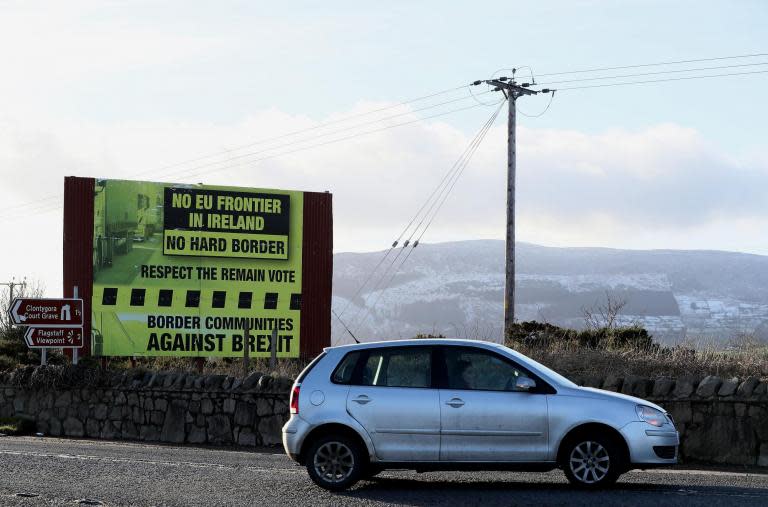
(457, 289)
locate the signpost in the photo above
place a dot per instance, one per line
(47, 312)
(54, 337)
(51, 323)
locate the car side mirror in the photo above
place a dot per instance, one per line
(524, 384)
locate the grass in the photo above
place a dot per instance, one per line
(570, 353)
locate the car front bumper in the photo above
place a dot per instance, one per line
(649, 445)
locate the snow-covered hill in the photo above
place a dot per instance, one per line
(456, 289)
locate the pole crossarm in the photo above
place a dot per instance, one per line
(512, 88)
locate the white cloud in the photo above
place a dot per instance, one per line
(660, 187)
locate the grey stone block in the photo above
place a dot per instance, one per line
(245, 414)
(219, 429)
(173, 426)
(662, 386)
(684, 387)
(73, 427)
(747, 387)
(196, 435)
(161, 405)
(728, 387)
(270, 429)
(708, 386)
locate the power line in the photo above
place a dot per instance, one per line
(400, 236)
(338, 131)
(418, 213)
(274, 138)
(288, 152)
(442, 197)
(674, 71)
(682, 78)
(697, 60)
(332, 141)
(303, 130)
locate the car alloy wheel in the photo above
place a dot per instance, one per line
(589, 462)
(334, 462)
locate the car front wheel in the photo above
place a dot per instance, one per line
(335, 462)
(592, 462)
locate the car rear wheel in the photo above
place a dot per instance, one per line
(335, 462)
(592, 462)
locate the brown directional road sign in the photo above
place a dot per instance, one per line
(57, 337)
(47, 312)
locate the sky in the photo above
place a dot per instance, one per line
(126, 89)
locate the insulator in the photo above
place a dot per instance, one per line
(406, 243)
(394, 244)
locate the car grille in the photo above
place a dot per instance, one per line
(665, 451)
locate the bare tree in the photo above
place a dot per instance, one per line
(33, 289)
(604, 315)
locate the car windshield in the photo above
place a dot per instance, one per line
(548, 372)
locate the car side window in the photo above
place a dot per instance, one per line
(479, 370)
(398, 367)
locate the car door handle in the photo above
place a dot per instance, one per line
(362, 399)
(455, 402)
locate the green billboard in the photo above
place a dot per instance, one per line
(184, 270)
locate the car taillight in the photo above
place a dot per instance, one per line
(295, 400)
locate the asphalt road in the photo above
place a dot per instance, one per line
(49, 471)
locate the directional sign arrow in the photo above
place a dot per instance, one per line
(58, 337)
(47, 312)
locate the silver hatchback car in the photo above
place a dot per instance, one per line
(463, 405)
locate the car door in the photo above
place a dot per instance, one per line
(393, 399)
(484, 417)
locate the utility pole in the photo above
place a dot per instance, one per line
(11, 285)
(511, 91)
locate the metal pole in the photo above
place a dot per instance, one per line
(509, 293)
(43, 357)
(75, 294)
(273, 349)
(246, 349)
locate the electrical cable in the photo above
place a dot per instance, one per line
(439, 186)
(326, 134)
(600, 69)
(332, 141)
(682, 78)
(551, 98)
(675, 71)
(464, 162)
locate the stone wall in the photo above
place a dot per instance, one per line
(158, 407)
(720, 420)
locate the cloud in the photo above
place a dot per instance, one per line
(662, 186)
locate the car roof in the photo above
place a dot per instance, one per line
(414, 342)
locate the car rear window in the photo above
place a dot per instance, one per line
(346, 368)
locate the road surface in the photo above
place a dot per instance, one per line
(48, 471)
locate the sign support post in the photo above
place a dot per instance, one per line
(75, 294)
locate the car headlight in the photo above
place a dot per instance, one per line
(651, 415)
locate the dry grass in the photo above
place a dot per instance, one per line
(572, 359)
(215, 366)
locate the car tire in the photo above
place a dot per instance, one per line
(335, 462)
(592, 461)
